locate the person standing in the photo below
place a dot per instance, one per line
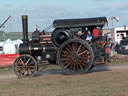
(95, 34)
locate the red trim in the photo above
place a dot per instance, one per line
(9, 55)
(8, 59)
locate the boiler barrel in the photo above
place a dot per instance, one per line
(32, 49)
(36, 49)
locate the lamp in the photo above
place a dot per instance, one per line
(117, 18)
(111, 19)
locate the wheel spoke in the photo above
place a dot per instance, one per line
(65, 52)
(68, 50)
(85, 55)
(73, 47)
(64, 55)
(27, 61)
(19, 66)
(83, 62)
(77, 66)
(21, 71)
(82, 49)
(19, 62)
(74, 67)
(26, 73)
(80, 66)
(67, 62)
(22, 61)
(82, 52)
(76, 46)
(68, 65)
(79, 49)
(71, 66)
(29, 71)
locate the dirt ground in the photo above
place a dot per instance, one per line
(103, 80)
(8, 73)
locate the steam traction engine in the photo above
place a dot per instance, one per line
(73, 53)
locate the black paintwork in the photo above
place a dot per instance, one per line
(72, 23)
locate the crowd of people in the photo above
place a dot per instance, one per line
(111, 48)
(92, 33)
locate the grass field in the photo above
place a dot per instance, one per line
(13, 35)
(52, 82)
(16, 35)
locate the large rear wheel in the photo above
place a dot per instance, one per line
(75, 56)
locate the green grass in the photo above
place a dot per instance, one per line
(13, 35)
(5, 70)
(119, 60)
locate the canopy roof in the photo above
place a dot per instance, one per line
(82, 22)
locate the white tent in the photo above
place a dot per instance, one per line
(9, 47)
(17, 42)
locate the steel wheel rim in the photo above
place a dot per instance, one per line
(25, 66)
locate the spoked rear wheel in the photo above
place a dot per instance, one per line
(25, 66)
(75, 56)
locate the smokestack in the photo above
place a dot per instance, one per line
(25, 28)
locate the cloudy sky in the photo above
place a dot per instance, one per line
(43, 12)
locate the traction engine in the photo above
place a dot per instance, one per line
(64, 48)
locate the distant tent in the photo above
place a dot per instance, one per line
(9, 47)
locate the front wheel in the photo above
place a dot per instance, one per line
(25, 66)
